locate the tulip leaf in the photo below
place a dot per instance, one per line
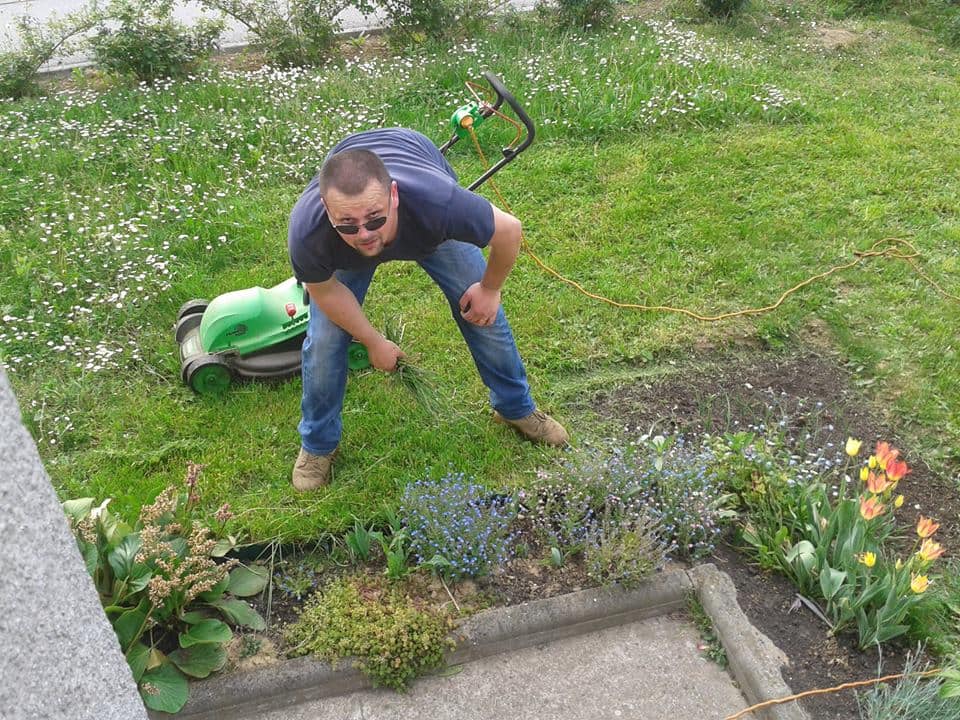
(830, 581)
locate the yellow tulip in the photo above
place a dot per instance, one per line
(919, 583)
(899, 564)
(867, 558)
(899, 501)
(872, 462)
(864, 473)
(853, 446)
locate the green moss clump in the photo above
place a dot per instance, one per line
(392, 640)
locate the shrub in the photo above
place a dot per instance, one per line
(288, 32)
(624, 554)
(665, 478)
(690, 500)
(416, 20)
(393, 641)
(37, 45)
(162, 591)
(453, 520)
(723, 9)
(148, 43)
(570, 502)
(580, 14)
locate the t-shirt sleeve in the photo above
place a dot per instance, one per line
(469, 218)
(309, 254)
(309, 266)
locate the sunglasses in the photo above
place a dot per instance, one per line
(370, 225)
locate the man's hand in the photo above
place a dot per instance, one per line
(384, 354)
(479, 305)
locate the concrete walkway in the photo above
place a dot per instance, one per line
(649, 670)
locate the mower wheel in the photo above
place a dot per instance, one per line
(192, 307)
(185, 325)
(357, 356)
(208, 375)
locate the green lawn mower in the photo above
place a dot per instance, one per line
(259, 332)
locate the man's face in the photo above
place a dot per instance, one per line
(373, 203)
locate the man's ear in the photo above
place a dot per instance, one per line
(394, 195)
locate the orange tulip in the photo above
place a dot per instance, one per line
(884, 453)
(930, 550)
(896, 469)
(871, 507)
(926, 527)
(877, 483)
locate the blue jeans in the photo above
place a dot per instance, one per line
(454, 267)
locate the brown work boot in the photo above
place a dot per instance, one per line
(538, 427)
(312, 471)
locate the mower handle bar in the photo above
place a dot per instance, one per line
(509, 153)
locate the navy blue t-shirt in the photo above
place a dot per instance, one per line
(433, 208)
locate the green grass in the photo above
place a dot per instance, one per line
(696, 165)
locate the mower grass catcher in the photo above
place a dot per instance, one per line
(259, 332)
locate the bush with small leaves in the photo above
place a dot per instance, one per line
(392, 640)
(144, 41)
(38, 43)
(287, 32)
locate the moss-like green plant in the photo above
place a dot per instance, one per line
(392, 640)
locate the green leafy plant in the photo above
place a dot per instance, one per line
(288, 32)
(360, 540)
(37, 44)
(144, 40)
(392, 640)
(711, 646)
(163, 592)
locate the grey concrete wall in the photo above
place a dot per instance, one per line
(59, 657)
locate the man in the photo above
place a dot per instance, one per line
(389, 194)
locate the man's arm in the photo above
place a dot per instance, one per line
(338, 303)
(480, 303)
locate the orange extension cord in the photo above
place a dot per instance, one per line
(895, 248)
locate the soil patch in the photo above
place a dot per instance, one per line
(811, 395)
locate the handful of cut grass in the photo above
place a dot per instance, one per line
(419, 382)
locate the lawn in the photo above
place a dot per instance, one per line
(677, 162)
